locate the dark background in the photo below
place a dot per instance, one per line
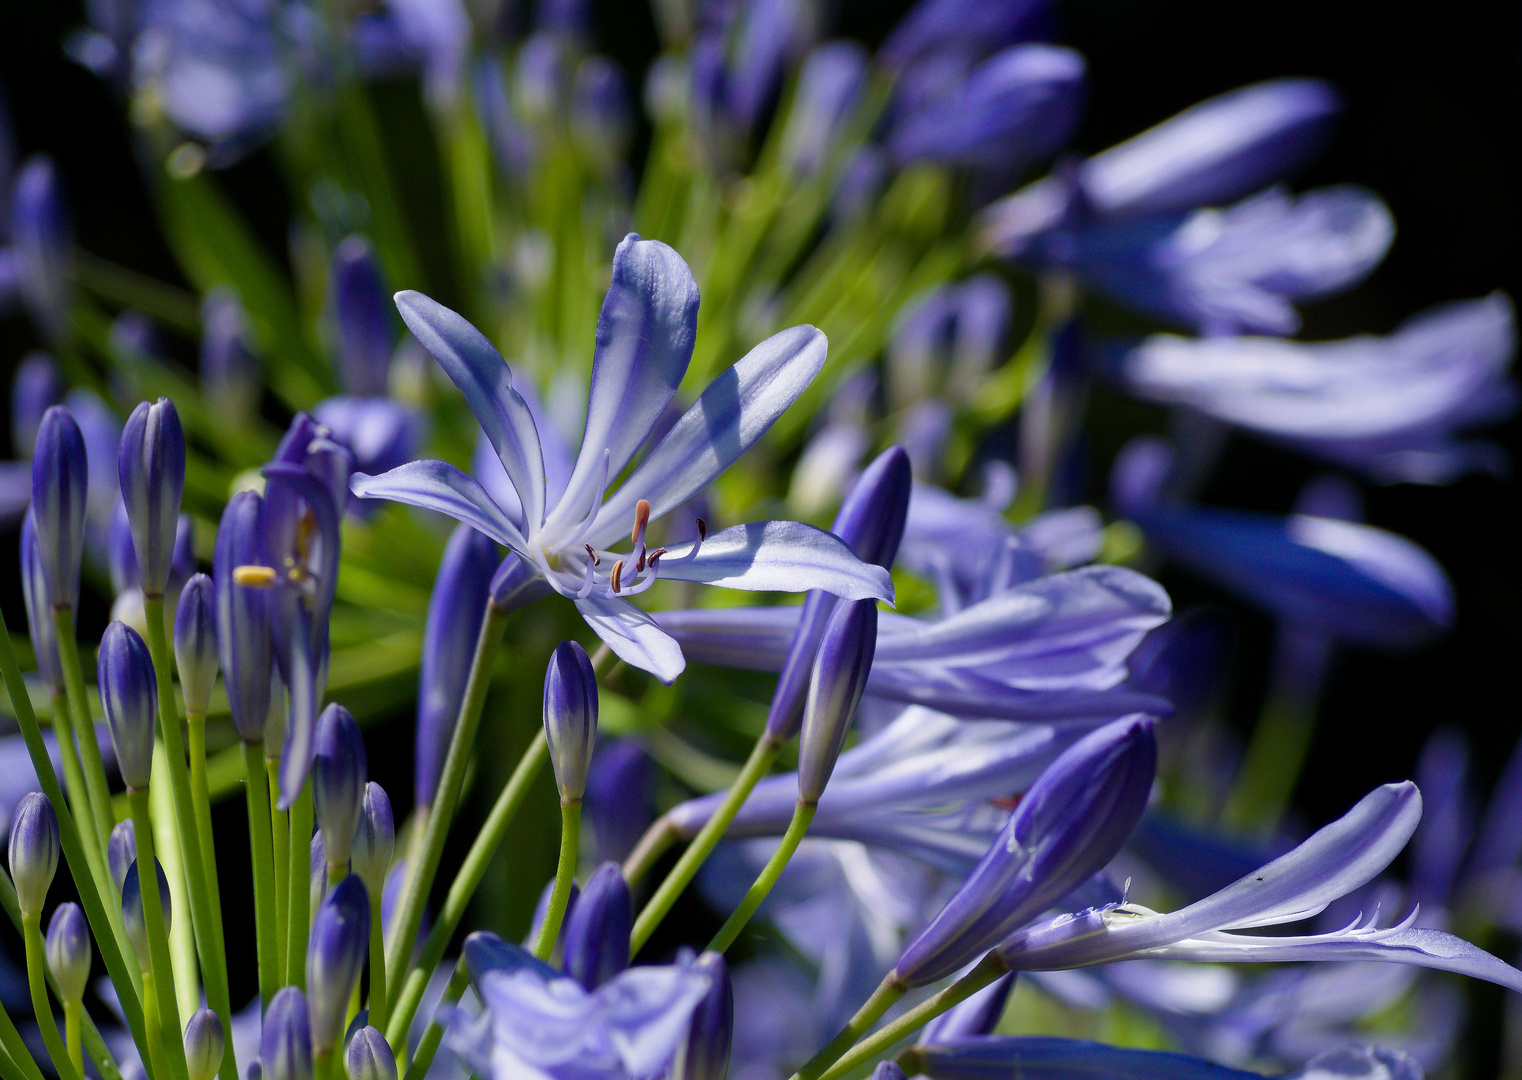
(1433, 123)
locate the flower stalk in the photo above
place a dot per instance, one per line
(565, 872)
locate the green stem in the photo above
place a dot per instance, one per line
(461, 744)
(171, 847)
(100, 820)
(200, 797)
(280, 830)
(92, 890)
(756, 766)
(263, 858)
(322, 1065)
(803, 813)
(883, 998)
(42, 1008)
(157, 1063)
(656, 842)
(299, 902)
(471, 872)
(71, 1011)
(435, 1031)
(565, 873)
(988, 970)
(1271, 767)
(337, 872)
(161, 967)
(377, 965)
(15, 1049)
(73, 773)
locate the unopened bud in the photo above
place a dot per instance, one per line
(151, 467)
(205, 1043)
(570, 717)
(596, 935)
(33, 851)
(133, 911)
(338, 780)
(835, 688)
(195, 643)
(374, 840)
(705, 1054)
(285, 1045)
(129, 695)
(69, 952)
(369, 1056)
(336, 953)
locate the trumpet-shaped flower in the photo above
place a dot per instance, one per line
(644, 343)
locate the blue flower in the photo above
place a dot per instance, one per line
(644, 343)
(1389, 407)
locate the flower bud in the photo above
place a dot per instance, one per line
(285, 1044)
(69, 953)
(374, 840)
(570, 717)
(835, 689)
(336, 953)
(205, 1043)
(39, 613)
(317, 867)
(37, 386)
(230, 375)
(705, 1054)
(42, 241)
(1070, 823)
(121, 553)
(369, 1056)
(195, 642)
(596, 935)
(33, 851)
(129, 695)
(121, 851)
(455, 614)
(338, 781)
(151, 467)
(888, 1070)
(976, 1016)
(620, 796)
(363, 317)
(60, 479)
(133, 917)
(243, 630)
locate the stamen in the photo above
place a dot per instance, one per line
(591, 579)
(618, 572)
(602, 487)
(255, 577)
(696, 546)
(637, 537)
(596, 560)
(656, 554)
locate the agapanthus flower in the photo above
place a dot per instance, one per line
(644, 343)
(1389, 407)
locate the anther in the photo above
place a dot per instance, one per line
(618, 572)
(702, 530)
(254, 577)
(641, 520)
(656, 554)
(592, 554)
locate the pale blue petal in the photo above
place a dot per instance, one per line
(779, 556)
(633, 636)
(645, 333)
(1049, 1058)
(437, 485)
(731, 415)
(477, 368)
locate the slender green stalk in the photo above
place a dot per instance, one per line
(280, 830)
(656, 842)
(1270, 768)
(92, 890)
(337, 872)
(883, 998)
(170, 845)
(803, 813)
(461, 744)
(988, 970)
(200, 875)
(299, 904)
(322, 1065)
(265, 911)
(377, 965)
(100, 820)
(162, 968)
(71, 1038)
(16, 1053)
(435, 1031)
(756, 766)
(157, 1063)
(73, 774)
(472, 870)
(42, 1008)
(565, 872)
(200, 797)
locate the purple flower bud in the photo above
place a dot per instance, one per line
(369, 1056)
(69, 951)
(871, 520)
(130, 697)
(205, 1043)
(195, 642)
(1067, 827)
(230, 370)
(33, 851)
(454, 621)
(374, 840)
(151, 467)
(60, 479)
(285, 1045)
(888, 1070)
(121, 851)
(620, 796)
(338, 780)
(961, 27)
(978, 1015)
(39, 613)
(363, 316)
(570, 717)
(42, 236)
(317, 867)
(602, 118)
(596, 936)
(830, 85)
(133, 911)
(705, 1054)
(336, 954)
(835, 688)
(121, 553)
(37, 386)
(243, 631)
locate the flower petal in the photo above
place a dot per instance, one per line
(437, 485)
(731, 415)
(645, 333)
(1051, 1058)
(779, 556)
(477, 368)
(633, 636)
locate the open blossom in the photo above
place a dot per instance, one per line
(644, 343)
